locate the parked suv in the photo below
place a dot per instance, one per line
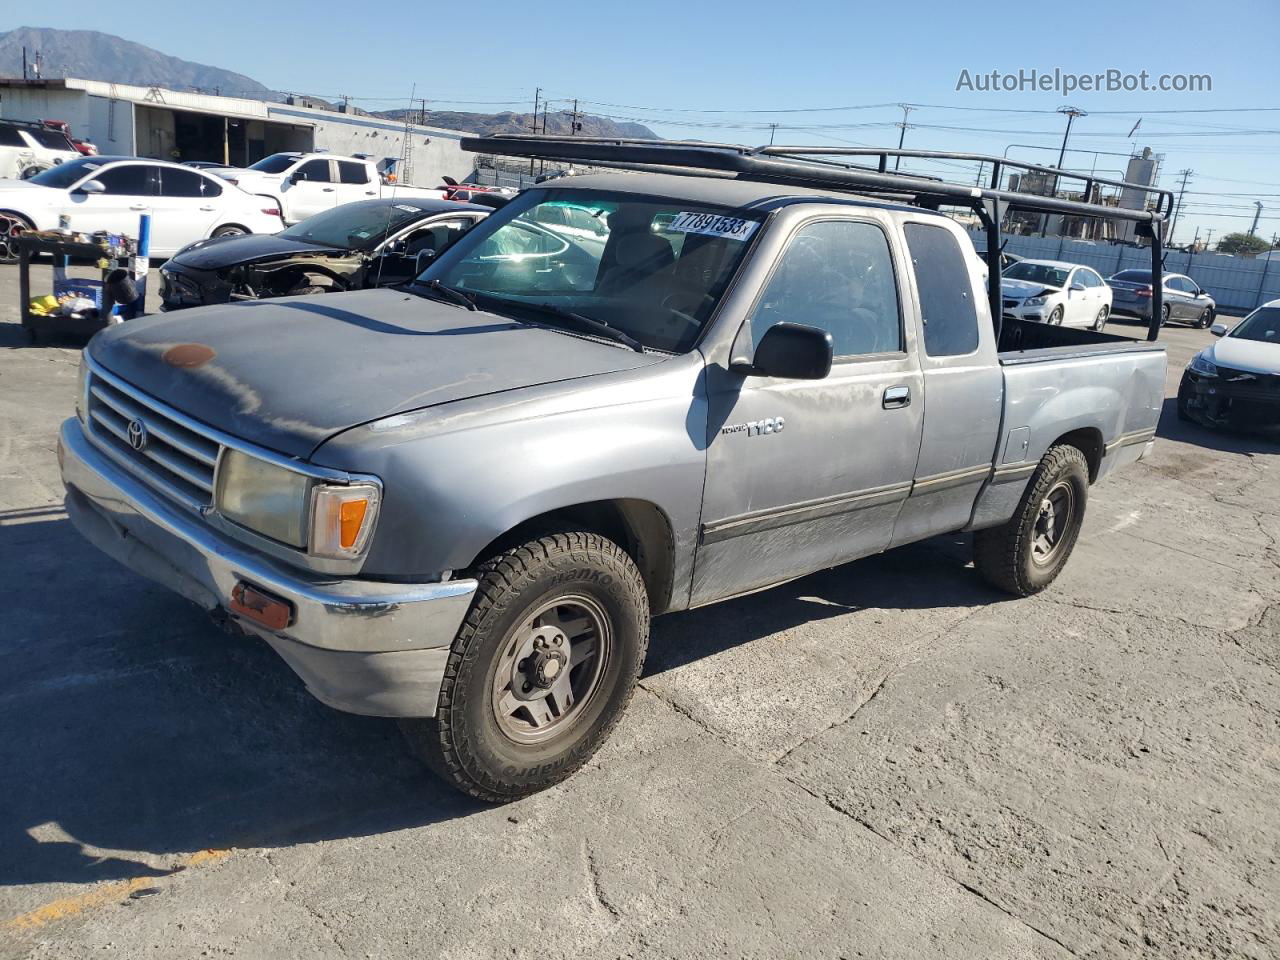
(1184, 299)
(459, 502)
(28, 148)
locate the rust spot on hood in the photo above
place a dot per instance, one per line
(188, 355)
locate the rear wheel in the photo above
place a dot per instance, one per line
(541, 670)
(1165, 312)
(1026, 554)
(230, 230)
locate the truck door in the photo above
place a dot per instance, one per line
(805, 474)
(963, 384)
(310, 190)
(354, 182)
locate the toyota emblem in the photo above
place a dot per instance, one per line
(138, 435)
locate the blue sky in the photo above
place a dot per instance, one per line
(668, 63)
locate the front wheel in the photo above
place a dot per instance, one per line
(1026, 554)
(1055, 317)
(541, 670)
(1206, 319)
(12, 226)
(1101, 320)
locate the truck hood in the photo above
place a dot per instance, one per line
(1021, 289)
(288, 374)
(1254, 356)
(218, 252)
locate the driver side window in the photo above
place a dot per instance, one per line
(314, 171)
(836, 275)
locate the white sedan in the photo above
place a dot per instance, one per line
(1051, 291)
(109, 193)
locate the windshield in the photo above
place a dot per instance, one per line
(276, 163)
(651, 268)
(65, 174)
(1262, 325)
(354, 226)
(1037, 273)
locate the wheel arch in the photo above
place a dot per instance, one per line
(1089, 441)
(640, 527)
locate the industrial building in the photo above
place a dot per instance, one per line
(121, 119)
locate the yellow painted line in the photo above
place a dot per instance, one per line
(103, 894)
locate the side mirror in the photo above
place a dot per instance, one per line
(1219, 330)
(792, 351)
(91, 186)
(423, 260)
(1077, 288)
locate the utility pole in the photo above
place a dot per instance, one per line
(537, 94)
(24, 63)
(773, 128)
(1208, 240)
(1257, 214)
(902, 134)
(1195, 240)
(575, 125)
(1177, 209)
(1071, 114)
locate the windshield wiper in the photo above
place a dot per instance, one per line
(590, 324)
(448, 294)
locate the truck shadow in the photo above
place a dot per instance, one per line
(1225, 439)
(138, 733)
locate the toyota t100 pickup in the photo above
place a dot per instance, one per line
(459, 502)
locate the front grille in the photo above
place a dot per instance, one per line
(174, 459)
(1244, 384)
(1011, 303)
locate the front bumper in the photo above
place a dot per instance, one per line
(1221, 400)
(1016, 310)
(363, 646)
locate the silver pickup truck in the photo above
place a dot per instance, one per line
(459, 502)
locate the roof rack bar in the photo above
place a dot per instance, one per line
(788, 165)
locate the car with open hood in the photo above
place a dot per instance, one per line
(369, 243)
(1236, 380)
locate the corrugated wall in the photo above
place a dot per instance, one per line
(1236, 283)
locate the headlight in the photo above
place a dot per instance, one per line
(1202, 365)
(82, 389)
(329, 520)
(1035, 301)
(267, 499)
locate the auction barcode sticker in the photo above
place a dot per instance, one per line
(713, 225)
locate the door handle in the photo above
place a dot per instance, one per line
(138, 206)
(208, 209)
(896, 397)
(370, 193)
(328, 189)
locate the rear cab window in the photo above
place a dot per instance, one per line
(946, 291)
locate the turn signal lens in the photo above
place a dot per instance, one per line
(342, 519)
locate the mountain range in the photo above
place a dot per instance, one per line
(90, 55)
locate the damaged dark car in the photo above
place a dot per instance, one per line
(1236, 381)
(369, 243)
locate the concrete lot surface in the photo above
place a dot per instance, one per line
(883, 760)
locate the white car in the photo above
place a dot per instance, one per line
(28, 148)
(1051, 291)
(1236, 381)
(304, 184)
(110, 193)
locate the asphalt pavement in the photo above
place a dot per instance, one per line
(888, 759)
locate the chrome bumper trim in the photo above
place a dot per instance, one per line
(130, 522)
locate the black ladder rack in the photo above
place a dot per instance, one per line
(832, 168)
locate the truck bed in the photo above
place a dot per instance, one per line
(1023, 341)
